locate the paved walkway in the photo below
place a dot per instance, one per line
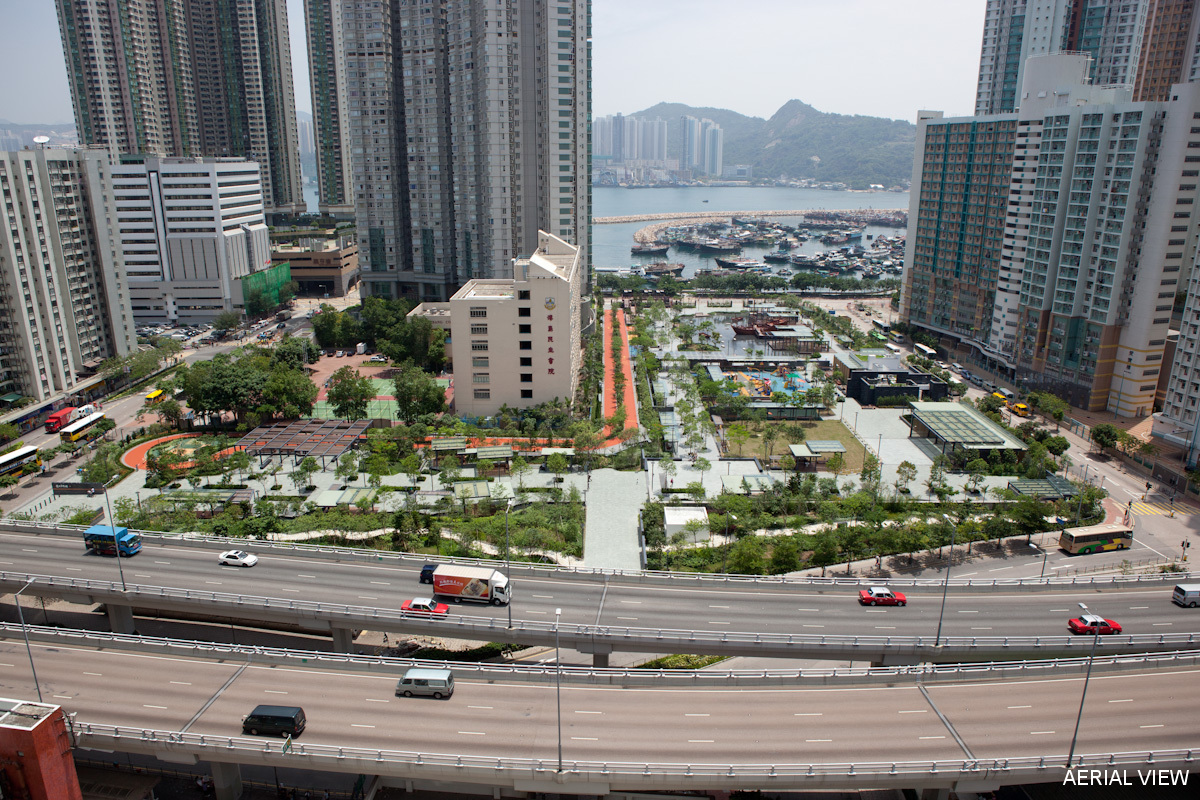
(614, 500)
(135, 457)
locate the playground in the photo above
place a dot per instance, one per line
(762, 384)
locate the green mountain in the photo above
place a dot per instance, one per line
(799, 141)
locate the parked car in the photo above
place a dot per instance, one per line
(881, 596)
(1092, 624)
(377, 359)
(237, 558)
(425, 605)
(339, 354)
(957, 367)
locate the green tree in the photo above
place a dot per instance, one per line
(785, 555)
(347, 468)
(306, 469)
(905, 473)
(350, 393)
(416, 394)
(450, 470)
(746, 556)
(8, 432)
(769, 436)
(410, 465)
(738, 434)
(558, 464)
(518, 469)
(287, 393)
(170, 412)
(376, 466)
(836, 463)
(227, 321)
(1105, 435)
(976, 470)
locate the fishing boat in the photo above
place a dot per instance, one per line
(718, 246)
(653, 249)
(778, 257)
(663, 268)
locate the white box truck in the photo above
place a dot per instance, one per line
(475, 584)
(360, 348)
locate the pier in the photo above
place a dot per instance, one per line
(896, 217)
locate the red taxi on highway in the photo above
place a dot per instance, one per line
(881, 596)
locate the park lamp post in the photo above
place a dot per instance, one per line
(1083, 698)
(112, 526)
(508, 558)
(558, 686)
(25, 633)
(946, 582)
(1045, 554)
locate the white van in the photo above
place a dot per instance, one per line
(1186, 594)
(436, 683)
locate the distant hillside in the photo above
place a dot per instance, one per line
(856, 150)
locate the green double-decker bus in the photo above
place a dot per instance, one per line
(1095, 538)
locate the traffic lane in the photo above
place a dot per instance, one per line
(1145, 711)
(113, 688)
(804, 611)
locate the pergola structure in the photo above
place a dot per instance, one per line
(955, 425)
(319, 438)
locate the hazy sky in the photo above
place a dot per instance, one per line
(879, 57)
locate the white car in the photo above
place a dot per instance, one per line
(238, 558)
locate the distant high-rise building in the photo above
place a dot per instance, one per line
(331, 130)
(469, 133)
(1110, 31)
(641, 139)
(176, 78)
(65, 305)
(304, 132)
(703, 145)
(1169, 48)
(190, 231)
(714, 149)
(1047, 245)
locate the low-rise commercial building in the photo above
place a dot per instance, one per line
(518, 341)
(321, 267)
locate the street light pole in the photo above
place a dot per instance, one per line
(508, 560)
(945, 586)
(558, 685)
(25, 633)
(1086, 678)
(1045, 554)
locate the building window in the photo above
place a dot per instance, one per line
(480, 361)
(479, 330)
(483, 394)
(524, 329)
(526, 377)
(526, 361)
(479, 346)
(522, 294)
(480, 377)
(478, 311)
(526, 345)
(523, 312)
(527, 394)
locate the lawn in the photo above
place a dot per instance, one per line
(825, 429)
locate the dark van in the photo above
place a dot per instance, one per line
(274, 721)
(427, 573)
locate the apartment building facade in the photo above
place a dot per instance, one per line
(516, 341)
(176, 78)
(188, 231)
(1098, 225)
(327, 79)
(65, 305)
(469, 134)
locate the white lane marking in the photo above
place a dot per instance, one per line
(818, 740)
(967, 574)
(885, 627)
(808, 609)
(696, 715)
(489, 708)
(289, 590)
(1020, 706)
(584, 739)
(95, 674)
(710, 622)
(1059, 610)
(274, 691)
(632, 602)
(356, 725)
(6, 562)
(473, 733)
(214, 583)
(1150, 726)
(1160, 624)
(162, 562)
(375, 700)
(626, 617)
(1040, 733)
(160, 708)
(589, 712)
(718, 606)
(305, 576)
(700, 741)
(808, 714)
(367, 597)
(142, 575)
(1130, 700)
(919, 711)
(64, 697)
(806, 625)
(381, 583)
(980, 629)
(961, 611)
(876, 610)
(931, 737)
(543, 612)
(997, 569)
(74, 569)
(1138, 608)
(181, 683)
(28, 550)
(6, 665)
(543, 596)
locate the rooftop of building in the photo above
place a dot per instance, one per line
(871, 361)
(23, 714)
(553, 255)
(314, 245)
(431, 310)
(484, 289)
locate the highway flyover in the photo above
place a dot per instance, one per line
(182, 705)
(348, 589)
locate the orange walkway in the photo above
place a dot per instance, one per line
(617, 319)
(135, 458)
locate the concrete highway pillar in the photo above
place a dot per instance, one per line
(120, 618)
(343, 640)
(600, 660)
(935, 794)
(227, 780)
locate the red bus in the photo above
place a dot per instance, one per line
(58, 419)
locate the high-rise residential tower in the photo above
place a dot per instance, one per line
(469, 133)
(1169, 49)
(1070, 289)
(1110, 31)
(187, 78)
(65, 305)
(331, 132)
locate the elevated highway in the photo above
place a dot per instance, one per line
(882, 729)
(341, 590)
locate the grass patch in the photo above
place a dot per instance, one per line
(682, 661)
(475, 654)
(825, 429)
